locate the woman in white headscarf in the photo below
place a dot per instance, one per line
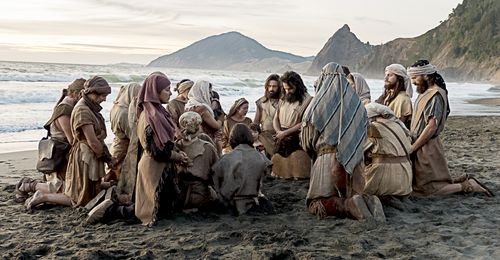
(199, 102)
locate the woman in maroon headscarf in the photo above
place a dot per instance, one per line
(155, 129)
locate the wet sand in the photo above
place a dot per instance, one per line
(456, 226)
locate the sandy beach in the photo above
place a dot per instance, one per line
(452, 227)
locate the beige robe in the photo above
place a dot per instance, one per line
(127, 178)
(149, 177)
(238, 176)
(430, 167)
(267, 109)
(122, 132)
(298, 163)
(176, 108)
(85, 170)
(401, 105)
(388, 168)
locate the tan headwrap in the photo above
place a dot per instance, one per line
(184, 86)
(189, 123)
(127, 94)
(76, 86)
(421, 70)
(376, 110)
(97, 85)
(400, 70)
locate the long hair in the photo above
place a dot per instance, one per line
(275, 77)
(293, 78)
(400, 86)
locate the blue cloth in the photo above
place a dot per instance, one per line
(338, 114)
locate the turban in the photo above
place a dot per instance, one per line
(76, 86)
(184, 86)
(97, 85)
(400, 70)
(422, 70)
(189, 123)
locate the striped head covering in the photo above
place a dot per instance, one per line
(338, 114)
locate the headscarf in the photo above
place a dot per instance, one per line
(96, 85)
(189, 123)
(127, 94)
(421, 70)
(339, 115)
(400, 70)
(361, 87)
(76, 86)
(237, 104)
(156, 115)
(184, 86)
(199, 95)
(378, 110)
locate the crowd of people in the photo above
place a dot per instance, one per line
(187, 154)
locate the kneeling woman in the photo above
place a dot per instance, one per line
(155, 130)
(88, 153)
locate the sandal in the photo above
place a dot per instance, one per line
(487, 191)
(467, 186)
(21, 195)
(461, 178)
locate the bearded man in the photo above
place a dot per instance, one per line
(397, 93)
(289, 160)
(430, 168)
(266, 109)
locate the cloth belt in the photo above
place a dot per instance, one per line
(380, 158)
(327, 149)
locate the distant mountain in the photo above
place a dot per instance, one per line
(464, 47)
(343, 48)
(231, 50)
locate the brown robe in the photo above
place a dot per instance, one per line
(238, 177)
(430, 167)
(85, 169)
(214, 134)
(176, 108)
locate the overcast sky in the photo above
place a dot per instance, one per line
(137, 31)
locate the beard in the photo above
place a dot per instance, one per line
(291, 97)
(272, 94)
(388, 85)
(422, 87)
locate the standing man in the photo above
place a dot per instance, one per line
(333, 134)
(290, 161)
(266, 109)
(397, 93)
(430, 168)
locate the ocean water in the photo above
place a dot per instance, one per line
(28, 92)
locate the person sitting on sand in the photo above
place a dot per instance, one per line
(238, 175)
(237, 114)
(430, 168)
(199, 102)
(195, 179)
(290, 161)
(387, 170)
(397, 93)
(333, 133)
(257, 139)
(121, 128)
(60, 129)
(88, 153)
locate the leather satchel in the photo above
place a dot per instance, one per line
(51, 155)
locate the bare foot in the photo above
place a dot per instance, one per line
(34, 200)
(476, 187)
